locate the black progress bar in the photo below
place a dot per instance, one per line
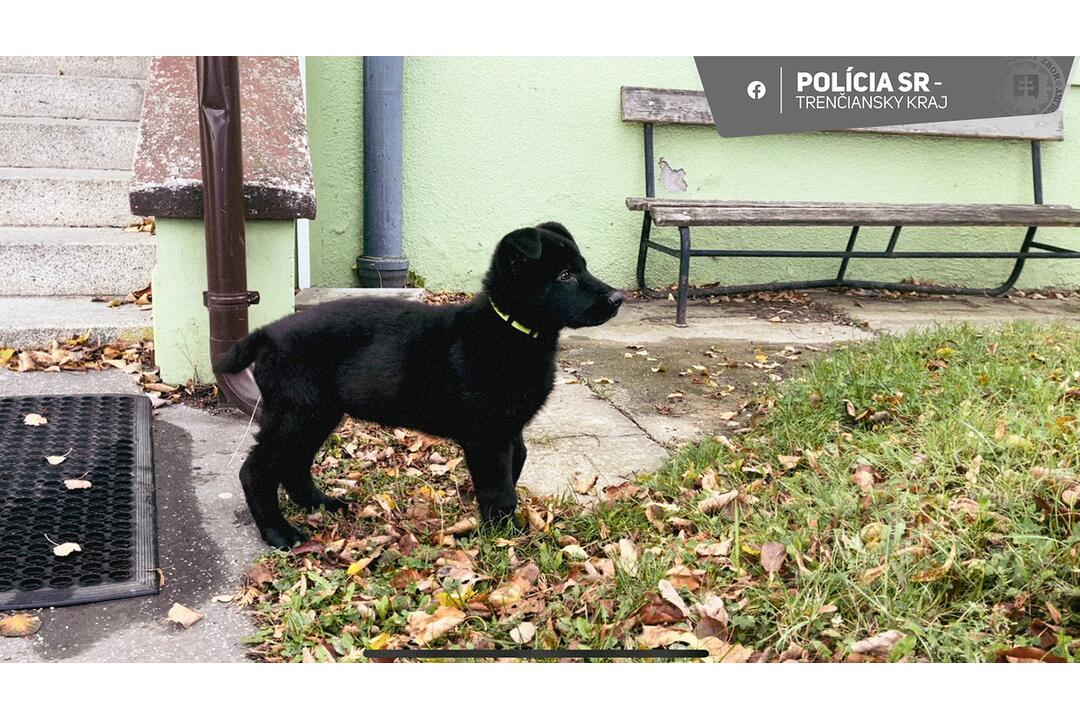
(536, 654)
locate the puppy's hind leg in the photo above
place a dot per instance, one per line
(307, 432)
(259, 478)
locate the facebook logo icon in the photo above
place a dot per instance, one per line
(756, 89)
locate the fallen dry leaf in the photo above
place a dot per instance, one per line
(669, 593)
(713, 549)
(1028, 655)
(712, 617)
(19, 625)
(683, 577)
(184, 616)
(724, 652)
(57, 459)
(879, 645)
(629, 554)
(654, 636)
(657, 611)
(65, 549)
(35, 419)
(424, 628)
(790, 462)
(523, 633)
(874, 573)
(863, 477)
(78, 484)
(716, 502)
(461, 527)
(516, 588)
(772, 557)
(584, 484)
(939, 572)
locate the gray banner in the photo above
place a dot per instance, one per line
(763, 95)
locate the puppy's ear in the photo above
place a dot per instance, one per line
(557, 228)
(524, 243)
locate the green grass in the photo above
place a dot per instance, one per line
(962, 539)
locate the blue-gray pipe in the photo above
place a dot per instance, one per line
(383, 263)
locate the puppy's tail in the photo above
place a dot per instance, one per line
(242, 353)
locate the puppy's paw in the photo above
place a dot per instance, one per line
(505, 524)
(285, 537)
(332, 504)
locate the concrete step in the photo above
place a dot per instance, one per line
(74, 96)
(56, 196)
(66, 143)
(74, 261)
(119, 66)
(28, 322)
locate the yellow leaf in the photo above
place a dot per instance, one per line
(379, 641)
(357, 567)
(35, 419)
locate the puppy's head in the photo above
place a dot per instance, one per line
(539, 278)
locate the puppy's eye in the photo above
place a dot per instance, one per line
(565, 275)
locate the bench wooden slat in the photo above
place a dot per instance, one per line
(690, 107)
(714, 213)
(645, 203)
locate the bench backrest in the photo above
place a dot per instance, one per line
(689, 107)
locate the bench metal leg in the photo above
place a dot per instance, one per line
(643, 251)
(684, 275)
(1018, 267)
(844, 262)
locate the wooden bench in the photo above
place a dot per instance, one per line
(653, 107)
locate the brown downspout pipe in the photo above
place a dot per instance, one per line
(227, 296)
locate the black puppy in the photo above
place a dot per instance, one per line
(474, 373)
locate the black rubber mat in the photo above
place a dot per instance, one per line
(107, 441)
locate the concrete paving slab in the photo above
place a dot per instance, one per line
(897, 315)
(578, 432)
(700, 386)
(653, 322)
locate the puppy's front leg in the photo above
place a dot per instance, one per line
(491, 467)
(520, 453)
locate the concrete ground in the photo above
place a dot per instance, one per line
(611, 414)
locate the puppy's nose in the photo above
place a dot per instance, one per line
(616, 297)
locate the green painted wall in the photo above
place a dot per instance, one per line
(335, 135)
(496, 143)
(181, 322)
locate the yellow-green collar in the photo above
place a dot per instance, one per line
(513, 323)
